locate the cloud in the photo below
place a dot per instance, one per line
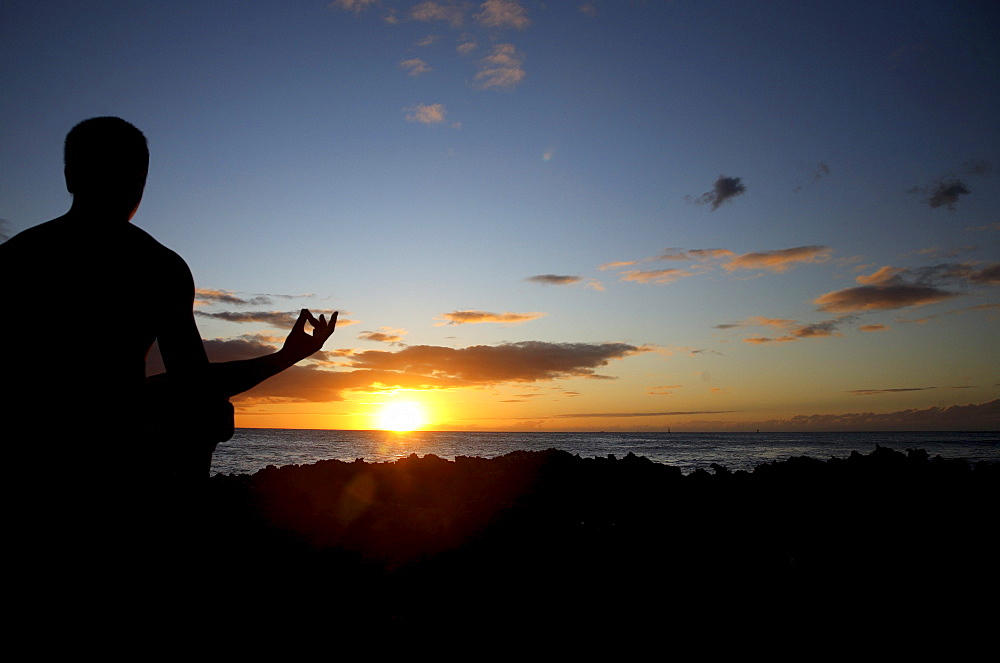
(794, 330)
(989, 274)
(653, 275)
(527, 361)
(279, 319)
(925, 319)
(383, 335)
(665, 390)
(822, 170)
(946, 194)
(207, 296)
(874, 328)
(353, 5)
(426, 367)
(760, 340)
(415, 67)
(428, 40)
(473, 317)
(588, 9)
(694, 254)
(502, 14)
(981, 416)
(4, 230)
(978, 167)
(501, 69)
(554, 279)
(466, 47)
(871, 392)
(435, 11)
(724, 190)
(817, 329)
(585, 415)
(616, 264)
(881, 297)
(426, 114)
(779, 260)
(885, 289)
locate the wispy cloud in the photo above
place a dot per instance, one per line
(452, 14)
(588, 9)
(967, 309)
(205, 296)
(383, 335)
(675, 413)
(415, 67)
(871, 392)
(874, 328)
(279, 319)
(616, 264)
(653, 275)
(974, 416)
(694, 254)
(474, 317)
(725, 189)
(779, 260)
(793, 329)
(502, 14)
(353, 5)
(426, 113)
(502, 69)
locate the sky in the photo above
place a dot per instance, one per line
(573, 215)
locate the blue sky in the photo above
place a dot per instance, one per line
(411, 162)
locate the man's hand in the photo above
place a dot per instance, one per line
(299, 345)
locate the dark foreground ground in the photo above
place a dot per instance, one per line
(547, 535)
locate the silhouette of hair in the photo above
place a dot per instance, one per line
(105, 151)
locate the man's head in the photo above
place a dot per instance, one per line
(106, 161)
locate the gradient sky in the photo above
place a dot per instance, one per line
(554, 215)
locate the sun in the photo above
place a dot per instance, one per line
(401, 416)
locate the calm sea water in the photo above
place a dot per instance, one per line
(252, 449)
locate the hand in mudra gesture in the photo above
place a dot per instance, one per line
(299, 345)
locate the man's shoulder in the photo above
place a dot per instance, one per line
(142, 240)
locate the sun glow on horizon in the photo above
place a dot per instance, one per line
(402, 416)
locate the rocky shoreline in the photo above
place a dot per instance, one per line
(550, 533)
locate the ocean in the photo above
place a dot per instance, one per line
(252, 449)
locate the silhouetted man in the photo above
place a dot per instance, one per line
(87, 437)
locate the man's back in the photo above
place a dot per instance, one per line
(92, 298)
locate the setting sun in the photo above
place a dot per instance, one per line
(402, 416)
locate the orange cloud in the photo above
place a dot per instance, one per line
(474, 317)
(383, 335)
(760, 340)
(653, 275)
(884, 289)
(779, 260)
(873, 328)
(616, 264)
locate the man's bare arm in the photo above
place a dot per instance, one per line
(235, 377)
